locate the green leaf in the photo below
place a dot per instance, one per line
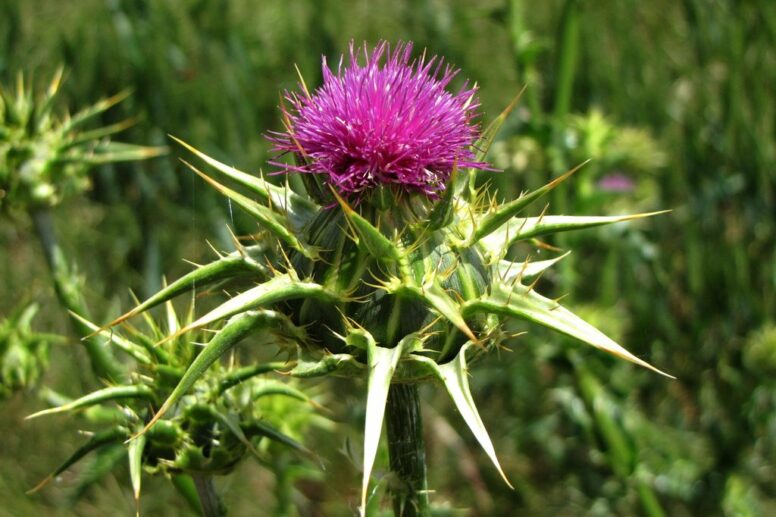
(454, 375)
(255, 428)
(434, 295)
(281, 199)
(239, 375)
(382, 364)
(137, 352)
(92, 111)
(98, 440)
(173, 324)
(416, 368)
(100, 132)
(278, 289)
(523, 302)
(310, 365)
(482, 146)
(140, 391)
(279, 388)
(233, 332)
(498, 216)
(232, 422)
(109, 152)
(522, 228)
(226, 267)
(278, 225)
(489, 134)
(443, 211)
(510, 272)
(97, 415)
(94, 472)
(44, 107)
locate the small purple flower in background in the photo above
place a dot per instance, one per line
(616, 182)
(382, 123)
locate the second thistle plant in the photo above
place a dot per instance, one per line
(46, 157)
(392, 265)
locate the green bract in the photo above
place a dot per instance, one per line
(398, 289)
(230, 412)
(45, 158)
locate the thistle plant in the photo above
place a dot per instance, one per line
(45, 158)
(393, 264)
(226, 416)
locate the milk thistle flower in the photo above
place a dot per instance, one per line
(384, 119)
(392, 265)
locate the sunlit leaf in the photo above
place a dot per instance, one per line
(521, 228)
(454, 375)
(382, 363)
(524, 303)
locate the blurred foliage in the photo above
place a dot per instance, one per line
(673, 100)
(24, 354)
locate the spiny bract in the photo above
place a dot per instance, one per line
(403, 287)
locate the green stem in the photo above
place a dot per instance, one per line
(68, 292)
(284, 486)
(567, 60)
(620, 451)
(407, 450)
(649, 501)
(185, 486)
(206, 489)
(525, 62)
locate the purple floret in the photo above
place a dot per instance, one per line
(374, 123)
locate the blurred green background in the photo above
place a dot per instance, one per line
(672, 100)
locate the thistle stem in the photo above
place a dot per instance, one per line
(407, 451)
(208, 498)
(68, 292)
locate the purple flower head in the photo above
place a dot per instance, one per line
(616, 182)
(383, 119)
